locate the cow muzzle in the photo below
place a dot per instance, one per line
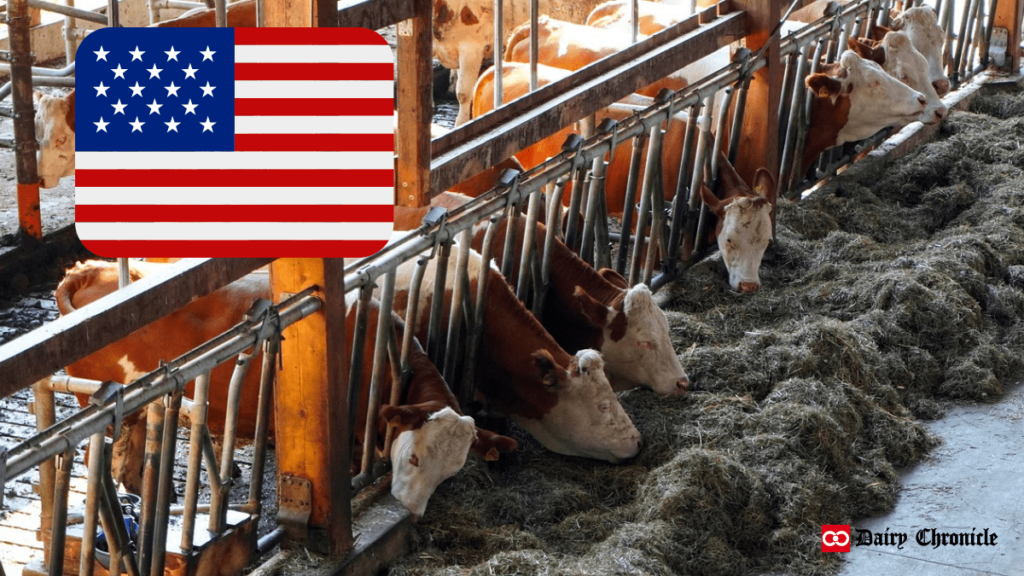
(941, 86)
(748, 287)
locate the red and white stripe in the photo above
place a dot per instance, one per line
(311, 174)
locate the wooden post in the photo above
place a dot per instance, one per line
(759, 139)
(1008, 15)
(412, 177)
(311, 400)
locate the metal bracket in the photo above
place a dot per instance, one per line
(108, 391)
(296, 505)
(436, 216)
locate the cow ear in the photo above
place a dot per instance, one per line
(714, 204)
(70, 115)
(550, 372)
(489, 445)
(411, 416)
(595, 312)
(868, 49)
(732, 184)
(878, 32)
(37, 96)
(825, 86)
(764, 185)
(613, 277)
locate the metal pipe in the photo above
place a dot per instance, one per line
(602, 246)
(218, 500)
(695, 206)
(468, 387)
(499, 49)
(961, 44)
(550, 234)
(92, 505)
(534, 42)
(973, 42)
(45, 410)
(58, 530)
(508, 251)
(166, 488)
(679, 205)
(37, 72)
(110, 491)
(355, 368)
(526, 255)
(700, 242)
(221, 13)
(123, 275)
(436, 305)
(634, 21)
(646, 201)
(150, 483)
(627, 207)
(154, 11)
(397, 384)
(18, 22)
(29, 453)
(786, 96)
(380, 351)
(271, 348)
(68, 10)
(108, 520)
(266, 543)
(789, 149)
(200, 407)
(657, 202)
(113, 14)
(989, 26)
(597, 172)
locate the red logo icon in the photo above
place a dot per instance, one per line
(835, 537)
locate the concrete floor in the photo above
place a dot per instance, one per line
(974, 480)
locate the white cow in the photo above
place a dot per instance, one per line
(897, 56)
(55, 131)
(921, 25)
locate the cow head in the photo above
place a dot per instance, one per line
(897, 56)
(431, 450)
(922, 27)
(744, 223)
(587, 420)
(637, 348)
(55, 131)
(876, 99)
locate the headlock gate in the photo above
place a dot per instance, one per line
(755, 110)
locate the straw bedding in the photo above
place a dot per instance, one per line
(890, 292)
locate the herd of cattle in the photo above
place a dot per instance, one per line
(555, 376)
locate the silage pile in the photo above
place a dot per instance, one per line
(890, 291)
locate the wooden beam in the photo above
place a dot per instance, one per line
(561, 103)
(414, 107)
(759, 137)
(88, 329)
(374, 14)
(1009, 14)
(300, 13)
(311, 400)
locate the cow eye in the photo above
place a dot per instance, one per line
(62, 140)
(604, 406)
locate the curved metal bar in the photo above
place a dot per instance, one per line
(380, 352)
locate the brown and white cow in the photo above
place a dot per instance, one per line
(55, 131)
(429, 422)
(896, 55)
(654, 16)
(585, 308)
(240, 15)
(854, 102)
(744, 226)
(573, 46)
(562, 400)
(922, 26)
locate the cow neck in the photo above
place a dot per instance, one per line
(510, 379)
(827, 120)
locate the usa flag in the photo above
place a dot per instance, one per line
(254, 142)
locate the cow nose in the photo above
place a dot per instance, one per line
(941, 86)
(682, 385)
(414, 517)
(940, 114)
(748, 287)
(922, 101)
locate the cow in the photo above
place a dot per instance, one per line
(744, 226)
(55, 131)
(239, 14)
(572, 46)
(654, 16)
(562, 400)
(429, 421)
(896, 55)
(855, 101)
(920, 23)
(464, 35)
(585, 308)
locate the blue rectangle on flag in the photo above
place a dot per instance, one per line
(156, 90)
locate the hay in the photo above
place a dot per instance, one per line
(889, 293)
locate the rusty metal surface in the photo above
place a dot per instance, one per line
(295, 506)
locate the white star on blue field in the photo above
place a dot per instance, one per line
(156, 90)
